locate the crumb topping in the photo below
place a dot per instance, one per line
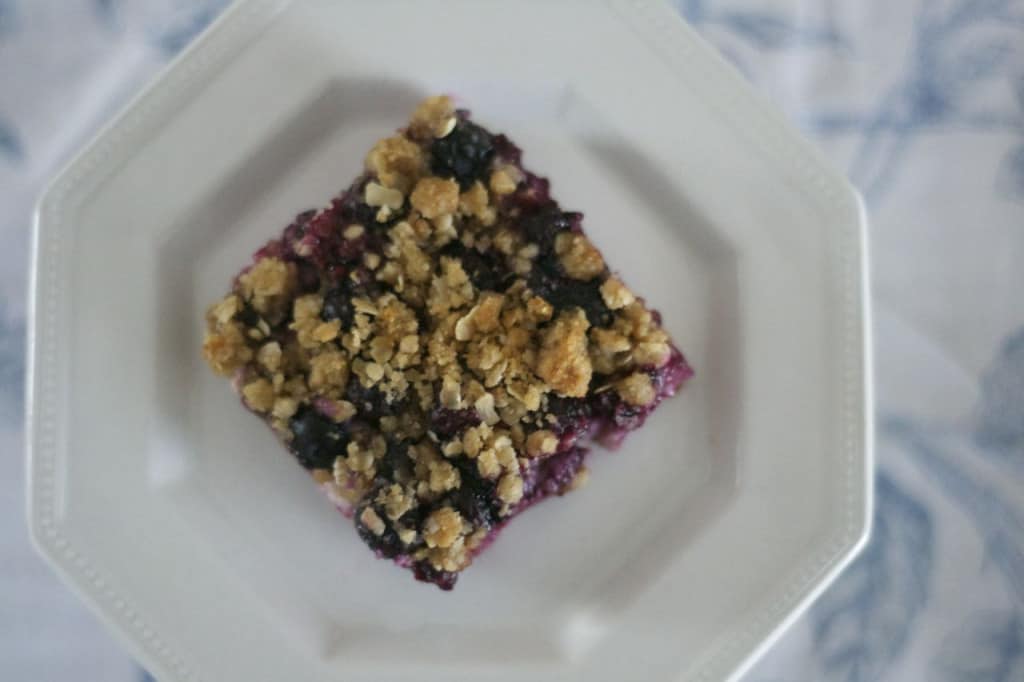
(503, 181)
(226, 348)
(413, 342)
(578, 256)
(541, 442)
(397, 162)
(434, 117)
(636, 389)
(434, 197)
(378, 195)
(373, 521)
(615, 294)
(267, 284)
(442, 528)
(563, 360)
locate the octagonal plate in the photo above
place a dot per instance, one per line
(176, 515)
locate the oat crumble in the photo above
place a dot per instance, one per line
(436, 345)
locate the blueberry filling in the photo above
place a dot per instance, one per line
(487, 272)
(446, 422)
(475, 499)
(426, 573)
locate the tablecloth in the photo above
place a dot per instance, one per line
(921, 102)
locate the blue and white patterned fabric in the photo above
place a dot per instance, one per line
(921, 102)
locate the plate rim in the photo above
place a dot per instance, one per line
(735, 652)
(236, 24)
(686, 52)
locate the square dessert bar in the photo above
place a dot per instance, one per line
(438, 345)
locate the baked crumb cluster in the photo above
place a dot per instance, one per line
(433, 344)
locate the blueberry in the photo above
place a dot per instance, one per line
(487, 271)
(316, 439)
(543, 226)
(426, 573)
(563, 293)
(248, 316)
(547, 279)
(475, 498)
(464, 154)
(445, 422)
(338, 306)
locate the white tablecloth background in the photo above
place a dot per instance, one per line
(920, 101)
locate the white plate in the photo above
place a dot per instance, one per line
(178, 517)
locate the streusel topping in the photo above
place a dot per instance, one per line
(416, 342)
